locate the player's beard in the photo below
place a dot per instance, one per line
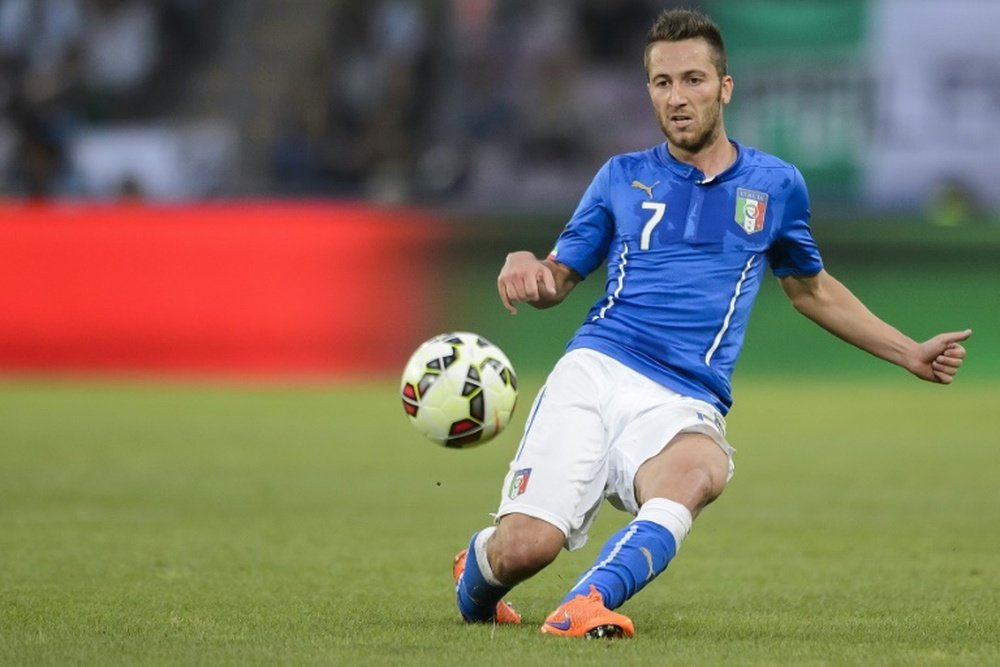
(711, 125)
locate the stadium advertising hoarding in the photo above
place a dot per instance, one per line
(258, 288)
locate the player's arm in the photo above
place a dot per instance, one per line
(541, 283)
(826, 301)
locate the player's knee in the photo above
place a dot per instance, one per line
(520, 560)
(707, 484)
(692, 471)
(522, 547)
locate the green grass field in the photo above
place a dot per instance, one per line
(153, 524)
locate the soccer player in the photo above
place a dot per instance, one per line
(635, 410)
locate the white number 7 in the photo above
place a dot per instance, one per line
(658, 208)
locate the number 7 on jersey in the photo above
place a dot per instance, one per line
(658, 208)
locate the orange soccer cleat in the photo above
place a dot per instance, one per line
(505, 613)
(586, 616)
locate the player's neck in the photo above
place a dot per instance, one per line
(711, 160)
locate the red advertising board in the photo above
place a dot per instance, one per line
(236, 288)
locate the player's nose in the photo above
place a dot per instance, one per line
(674, 96)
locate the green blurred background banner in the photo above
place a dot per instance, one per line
(802, 76)
(922, 279)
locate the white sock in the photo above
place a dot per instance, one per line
(672, 515)
(481, 559)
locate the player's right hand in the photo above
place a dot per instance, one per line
(525, 278)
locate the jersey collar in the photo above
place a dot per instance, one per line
(693, 174)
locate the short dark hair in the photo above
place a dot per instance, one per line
(675, 25)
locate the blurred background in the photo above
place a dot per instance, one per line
(310, 186)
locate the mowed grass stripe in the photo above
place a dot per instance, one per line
(144, 524)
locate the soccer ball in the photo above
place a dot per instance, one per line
(459, 389)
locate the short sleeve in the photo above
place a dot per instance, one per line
(584, 242)
(794, 251)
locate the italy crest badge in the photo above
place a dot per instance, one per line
(750, 208)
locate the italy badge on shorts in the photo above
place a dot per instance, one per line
(750, 208)
(519, 483)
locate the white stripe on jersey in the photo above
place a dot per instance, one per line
(729, 314)
(623, 260)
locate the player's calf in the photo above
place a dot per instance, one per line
(479, 594)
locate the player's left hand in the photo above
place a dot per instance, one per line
(938, 359)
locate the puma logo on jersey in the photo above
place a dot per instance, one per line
(648, 189)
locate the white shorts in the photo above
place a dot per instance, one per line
(590, 428)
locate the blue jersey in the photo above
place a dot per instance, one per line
(685, 258)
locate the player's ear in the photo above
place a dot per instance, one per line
(727, 89)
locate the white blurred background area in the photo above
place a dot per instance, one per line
(887, 106)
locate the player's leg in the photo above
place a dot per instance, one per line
(497, 559)
(668, 459)
(671, 488)
(551, 494)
